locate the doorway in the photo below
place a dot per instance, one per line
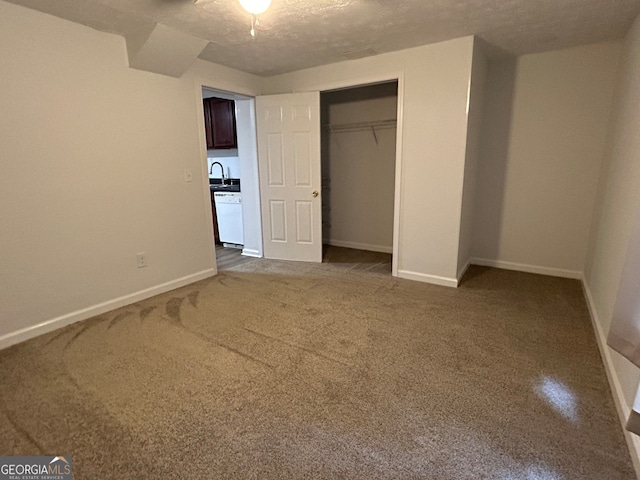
(232, 169)
(371, 121)
(358, 160)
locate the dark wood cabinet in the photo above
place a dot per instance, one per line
(208, 131)
(220, 123)
(216, 234)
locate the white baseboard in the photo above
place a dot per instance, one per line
(633, 441)
(247, 252)
(433, 279)
(18, 336)
(463, 270)
(360, 246)
(522, 267)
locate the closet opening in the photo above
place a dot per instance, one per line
(358, 159)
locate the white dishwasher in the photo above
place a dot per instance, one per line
(229, 213)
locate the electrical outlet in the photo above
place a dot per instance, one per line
(142, 259)
(188, 176)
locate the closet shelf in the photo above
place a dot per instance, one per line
(360, 126)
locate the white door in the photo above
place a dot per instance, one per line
(288, 129)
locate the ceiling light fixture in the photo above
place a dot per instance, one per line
(255, 8)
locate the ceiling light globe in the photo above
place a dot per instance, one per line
(255, 7)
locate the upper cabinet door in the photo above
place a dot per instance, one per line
(208, 130)
(220, 123)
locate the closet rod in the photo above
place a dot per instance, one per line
(356, 126)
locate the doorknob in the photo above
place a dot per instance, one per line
(315, 193)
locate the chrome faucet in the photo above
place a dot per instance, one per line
(221, 170)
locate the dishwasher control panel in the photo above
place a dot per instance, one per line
(227, 197)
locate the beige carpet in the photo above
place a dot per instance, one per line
(289, 371)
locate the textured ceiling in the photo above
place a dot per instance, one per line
(296, 34)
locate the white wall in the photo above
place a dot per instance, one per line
(248, 157)
(540, 215)
(494, 155)
(477, 88)
(433, 97)
(231, 166)
(618, 203)
(93, 157)
(361, 171)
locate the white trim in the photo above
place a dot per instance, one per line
(633, 441)
(463, 271)
(424, 278)
(397, 205)
(208, 214)
(522, 267)
(250, 176)
(247, 252)
(360, 246)
(35, 330)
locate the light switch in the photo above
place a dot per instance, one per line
(188, 176)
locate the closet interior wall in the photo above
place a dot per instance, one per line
(358, 166)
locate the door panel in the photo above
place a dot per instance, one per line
(275, 158)
(304, 221)
(303, 163)
(288, 128)
(278, 222)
